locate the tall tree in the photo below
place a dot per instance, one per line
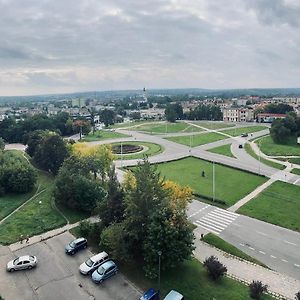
(107, 116)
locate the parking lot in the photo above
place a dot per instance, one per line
(57, 277)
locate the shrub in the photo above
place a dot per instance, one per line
(214, 267)
(257, 289)
(85, 228)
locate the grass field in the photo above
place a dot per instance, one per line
(213, 125)
(295, 160)
(189, 278)
(131, 124)
(263, 160)
(270, 148)
(153, 149)
(239, 131)
(223, 150)
(279, 204)
(198, 139)
(101, 135)
(230, 184)
(219, 243)
(35, 217)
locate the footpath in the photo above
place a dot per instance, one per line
(279, 285)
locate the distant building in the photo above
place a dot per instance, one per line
(78, 102)
(238, 114)
(268, 117)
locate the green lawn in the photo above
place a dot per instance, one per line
(239, 131)
(153, 149)
(223, 150)
(101, 135)
(132, 124)
(272, 164)
(279, 204)
(295, 160)
(231, 184)
(213, 125)
(296, 171)
(35, 217)
(219, 243)
(198, 139)
(268, 147)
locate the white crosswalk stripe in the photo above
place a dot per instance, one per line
(216, 220)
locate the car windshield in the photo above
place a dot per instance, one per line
(16, 261)
(31, 258)
(101, 270)
(89, 262)
(72, 244)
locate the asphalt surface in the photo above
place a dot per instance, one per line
(276, 247)
(57, 276)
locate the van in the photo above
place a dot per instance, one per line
(93, 263)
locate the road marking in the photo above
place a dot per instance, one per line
(273, 256)
(208, 227)
(287, 242)
(284, 260)
(298, 266)
(242, 245)
(252, 248)
(261, 233)
(227, 212)
(262, 252)
(219, 219)
(198, 211)
(217, 213)
(296, 181)
(215, 223)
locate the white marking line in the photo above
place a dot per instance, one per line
(262, 252)
(227, 212)
(298, 266)
(284, 260)
(287, 242)
(261, 233)
(242, 245)
(252, 248)
(222, 216)
(198, 211)
(209, 227)
(215, 218)
(215, 223)
(296, 181)
(273, 256)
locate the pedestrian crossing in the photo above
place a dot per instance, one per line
(216, 220)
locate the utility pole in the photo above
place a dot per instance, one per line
(214, 187)
(159, 255)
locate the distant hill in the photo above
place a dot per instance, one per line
(108, 95)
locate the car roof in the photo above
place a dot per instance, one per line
(173, 295)
(108, 264)
(99, 256)
(150, 293)
(79, 240)
(24, 257)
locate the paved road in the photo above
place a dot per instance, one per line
(57, 276)
(275, 246)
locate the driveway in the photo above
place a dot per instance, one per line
(57, 276)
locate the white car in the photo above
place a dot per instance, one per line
(90, 265)
(21, 263)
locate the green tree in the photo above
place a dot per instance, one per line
(214, 267)
(51, 153)
(35, 138)
(256, 289)
(107, 116)
(170, 113)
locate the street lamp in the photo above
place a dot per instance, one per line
(40, 215)
(159, 255)
(214, 187)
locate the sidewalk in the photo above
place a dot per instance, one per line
(49, 234)
(246, 272)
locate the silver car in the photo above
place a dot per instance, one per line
(21, 263)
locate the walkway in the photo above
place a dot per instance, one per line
(247, 272)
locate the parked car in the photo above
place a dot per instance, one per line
(244, 134)
(173, 295)
(76, 245)
(240, 146)
(151, 294)
(21, 263)
(105, 271)
(93, 263)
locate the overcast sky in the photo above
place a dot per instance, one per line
(54, 46)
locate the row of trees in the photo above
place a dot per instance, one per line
(16, 174)
(284, 130)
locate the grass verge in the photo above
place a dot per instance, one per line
(219, 243)
(223, 150)
(270, 148)
(241, 130)
(296, 171)
(279, 204)
(213, 125)
(231, 184)
(272, 164)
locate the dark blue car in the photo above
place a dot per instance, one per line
(151, 294)
(76, 245)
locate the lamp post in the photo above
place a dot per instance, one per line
(121, 154)
(159, 255)
(214, 187)
(42, 223)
